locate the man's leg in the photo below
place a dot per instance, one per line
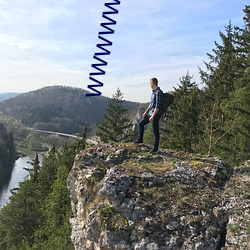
(155, 126)
(141, 125)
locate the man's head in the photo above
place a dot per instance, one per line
(153, 83)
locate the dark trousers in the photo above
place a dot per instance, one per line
(155, 126)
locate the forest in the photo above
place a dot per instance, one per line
(55, 108)
(8, 154)
(37, 216)
(213, 120)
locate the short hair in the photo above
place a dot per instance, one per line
(155, 81)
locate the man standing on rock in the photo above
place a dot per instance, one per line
(152, 114)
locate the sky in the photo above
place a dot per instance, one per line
(52, 42)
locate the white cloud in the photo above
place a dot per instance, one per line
(23, 46)
(34, 74)
(53, 42)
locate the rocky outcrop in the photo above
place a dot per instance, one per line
(126, 198)
(237, 204)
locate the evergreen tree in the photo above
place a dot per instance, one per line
(20, 217)
(114, 126)
(11, 147)
(34, 172)
(183, 132)
(37, 216)
(70, 150)
(220, 79)
(237, 106)
(47, 174)
(242, 38)
(81, 143)
(225, 113)
(67, 154)
(8, 153)
(239, 138)
(55, 231)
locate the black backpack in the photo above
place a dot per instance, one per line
(167, 100)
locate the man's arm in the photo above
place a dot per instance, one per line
(145, 113)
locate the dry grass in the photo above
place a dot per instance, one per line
(157, 168)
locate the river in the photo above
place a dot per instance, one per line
(17, 175)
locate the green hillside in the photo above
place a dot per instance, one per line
(57, 108)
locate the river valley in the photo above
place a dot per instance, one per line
(18, 174)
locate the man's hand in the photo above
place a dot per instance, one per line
(156, 110)
(144, 114)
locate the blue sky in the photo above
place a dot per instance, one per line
(52, 42)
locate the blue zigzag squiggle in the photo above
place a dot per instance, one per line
(101, 46)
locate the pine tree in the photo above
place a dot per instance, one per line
(20, 217)
(220, 80)
(225, 114)
(7, 150)
(183, 132)
(38, 214)
(34, 172)
(47, 174)
(239, 140)
(242, 38)
(221, 70)
(55, 230)
(81, 143)
(114, 126)
(237, 106)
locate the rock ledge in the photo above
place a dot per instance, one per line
(125, 198)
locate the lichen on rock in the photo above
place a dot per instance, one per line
(125, 198)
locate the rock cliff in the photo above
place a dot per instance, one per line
(125, 198)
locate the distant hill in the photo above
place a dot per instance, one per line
(5, 96)
(58, 108)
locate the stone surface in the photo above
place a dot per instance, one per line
(237, 204)
(125, 198)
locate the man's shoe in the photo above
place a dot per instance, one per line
(154, 150)
(138, 142)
